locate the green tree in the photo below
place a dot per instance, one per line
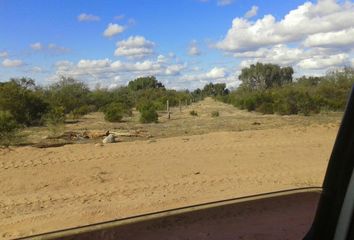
(8, 128)
(144, 83)
(217, 89)
(261, 76)
(68, 93)
(23, 101)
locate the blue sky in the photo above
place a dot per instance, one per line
(185, 43)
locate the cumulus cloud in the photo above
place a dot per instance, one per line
(307, 19)
(4, 54)
(12, 63)
(343, 38)
(51, 48)
(36, 46)
(193, 49)
(135, 47)
(84, 17)
(109, 72)
(216, 73)
(321, 62)
(252, 12)
(224, 2)
(321, 35)
(278, 54)
(113, 29)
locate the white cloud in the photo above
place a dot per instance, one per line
(113, 29)
(36, 70)
(279, 54)
(4, 54)
(36, 46)
(252, 12)
(51, 48)
(193, 49)
(109, 71)
(174, 69)
(224, 2)
(12, 63)
(216, 73)
(134, 47)
(321, 62)
(331, 39)
(84, 17)
(323, 17)
(92, 64)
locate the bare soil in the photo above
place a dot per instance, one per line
(184, 161)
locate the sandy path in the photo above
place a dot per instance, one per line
(48, 189)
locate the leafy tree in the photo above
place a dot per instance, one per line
(19, 97)
(218, 89)
(8, 128)
(68, 93)
(144, 83)
(263, 76)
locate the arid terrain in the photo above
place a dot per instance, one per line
(182, 161)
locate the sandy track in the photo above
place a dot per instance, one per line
(48, 189)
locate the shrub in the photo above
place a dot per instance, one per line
(114, 112)
(22, 101)
(215, 114)
(265, 108)
(81, 111)
(148, 113)
(193, 113)
(55, 120)
(8, 127)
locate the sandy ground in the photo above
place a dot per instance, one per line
(43, 190)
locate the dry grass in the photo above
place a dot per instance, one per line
(182, 123)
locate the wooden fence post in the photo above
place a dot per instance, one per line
(168, 109)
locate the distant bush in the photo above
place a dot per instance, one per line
(148, 113)
(215, 114)
(55, 120)
(114, 112)
(68, 93)
(8, 127)
(306, 96)
(81, 111)
(193, 113)
(19, 97)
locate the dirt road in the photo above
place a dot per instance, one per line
(49, 189)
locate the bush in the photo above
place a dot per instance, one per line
(148, 114)
(265, 108)
(20, 99)
(8, 127)
(55, 120)
(193, 113)
(81, 111)
(114, 112)
(215, 114)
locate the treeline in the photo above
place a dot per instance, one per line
(27, 104)
(269, 88)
